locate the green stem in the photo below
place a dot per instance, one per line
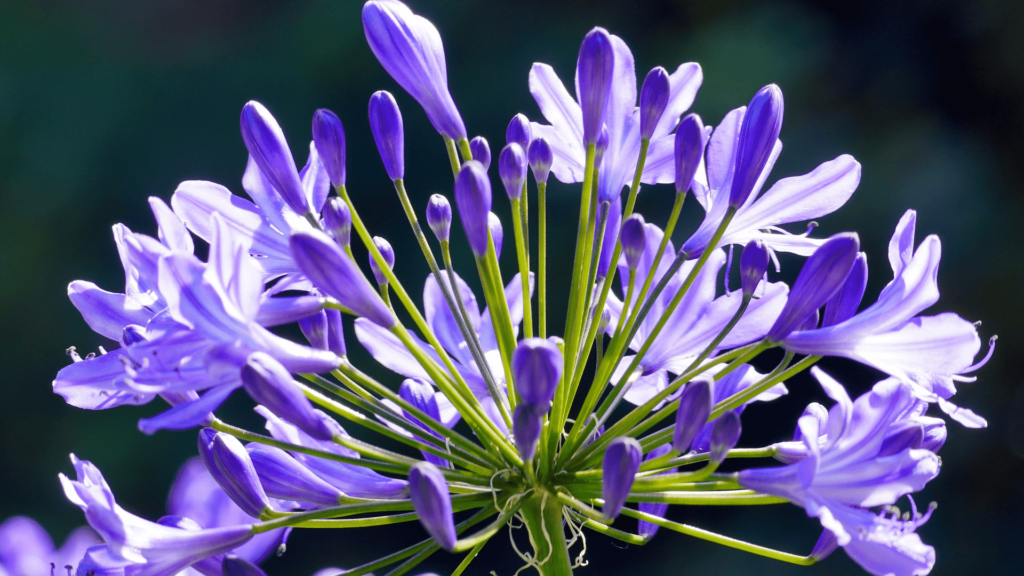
(453, 155)
(542, 514)
(542, 257)
(609, 531)
(468, 559)
(524, 265)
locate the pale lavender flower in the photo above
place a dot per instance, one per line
(27, 550)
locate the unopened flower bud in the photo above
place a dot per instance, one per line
(761, 125)
(335, 333)
(229, 464)
(266, 143)
(526, 428)
(338, 221)
(512, 169)
(439, 216)
(536, 369)
(843, 305)
(481, 151)
(497, 232)
(594, 73)
(694, 407)
(519, 131)
(724, 435)
(272, 386)
(329, 137)
(621, 463)
(633, 237)
(388, 253)
(388, 132)
(428, 491)
(689, 147)
(653, 100)
(540, 157)
(314, 328)
(473, 198)
(753, 265)
(284, 477)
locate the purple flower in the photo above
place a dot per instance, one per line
(843, 470)
(758, 134)
(389, 351)
(229, 464)
(26, 549)
(439, 217)
(823, 191)
(338, 221)
(565, 134)
(540, 157)
(537, 369)
(929, 351)
(654, 95)
(268, 148)
(133, 541)
(753, 265)
(691, 137)
(334, 273)
(473, 197)
(285, 477)
(527, 423)
(429, 493)
(270, 384)
(695, 405)
(512, 169)
(329, 137)
(386, 125)
(388, 253)
(409, 47)
(621, 463)
(519, 132)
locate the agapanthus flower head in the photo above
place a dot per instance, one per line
(329, 137)
(410, 49)
(519, 131)
(439, 216)
(338, 221)
(594, 74)
(632, 236)
(389, 258)
(654, 94)
(267, 146)
(473, 197)
(429, 493)
(388, 133)
(621, 463)
(540, 158)
(481, 151)
(753, 265)
(537, 369)
(512, 169)
(689, 150)
(761, 126)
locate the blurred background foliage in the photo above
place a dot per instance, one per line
(105, 103)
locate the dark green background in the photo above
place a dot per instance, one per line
(105, 103)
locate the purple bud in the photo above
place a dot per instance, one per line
(753, 265)
(526, 428)
(497, 232)
(536, 369)
(439, 216)
(843, 305)
(422, 396)
(473, 198)
(386, 125)
(389, 258)
(519, 131)
(594, 70)
(621, 463)
(633, 237)
(329, 137)
(272, 386)
(336, 275)
(429, 493)
(132, 334)
(338, 221)
(601, 146)
(481, 151)
(758, 133)
(823, 274)
(335, 333)
(695, 405)
(540, 157)
(314, 328)
(410, 49)
(235, 566)
(512, 169)
(825, 545)
(265, 141)
(284, 477)
(653, 100)
(229, 464)
(724, 435)
(689, 146)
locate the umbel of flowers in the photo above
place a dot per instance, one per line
(493, 416)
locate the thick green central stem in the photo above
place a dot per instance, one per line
(543, 516)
